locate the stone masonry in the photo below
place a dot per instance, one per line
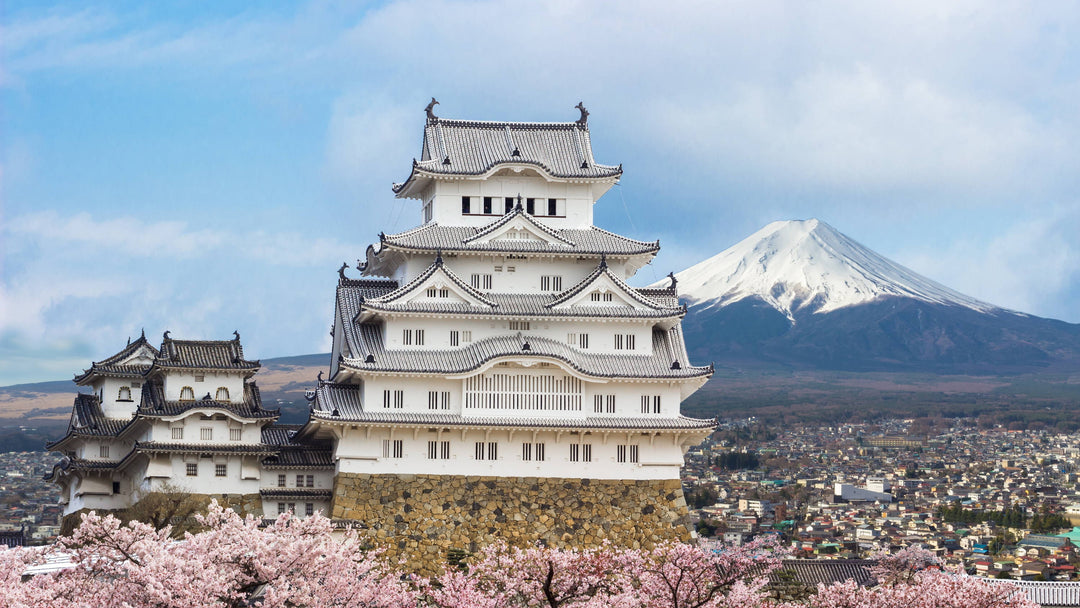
(419, 518)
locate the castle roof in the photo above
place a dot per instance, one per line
(341, 403)
(115, 365)
(293, 452)
(433, 237)
(668, 349)
(470, 147)
(155, 405)
(88, 420)
(656, 303)
(204, 354)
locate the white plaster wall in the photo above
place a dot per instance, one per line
(575, 200)
(206, 482)
(270, 507)
(659, 458)
(220, 424)
(601, 335)
(627, 395)
(175, 381)
(324, 479)
(109, 389)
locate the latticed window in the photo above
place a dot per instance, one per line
(519, 325)
(580, 452)
(281, 480)
(455, 337)
(395, 399)
(309, 509)
(438, 400)
(626, 453)
(438, 450)
(235, 434)
(192, 469)
(486, 450)
(393, 448)
(222, 394)
(309, 481)
(206, 434)
(220, 470)
(532, 452)
(187, 394)
(480, 281)
(103, 451)
(550, 283)
(178, 432)
(523, 392)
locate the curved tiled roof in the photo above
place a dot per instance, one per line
(580, 241)
(87, 419)
(203, 354)
(464, 147)
(202, 448)
(341, 403)
(295, 493)
(112, 366)
(294, 454)
(667, 348)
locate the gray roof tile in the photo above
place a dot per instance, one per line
(462, 147)
(203, 354)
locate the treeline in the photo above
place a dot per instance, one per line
(734, 461)
(1012, 517)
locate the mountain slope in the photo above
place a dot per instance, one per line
(808, 266)
(802, 294)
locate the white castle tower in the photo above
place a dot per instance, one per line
(498, 342)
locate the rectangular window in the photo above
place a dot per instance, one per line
(624, 341)
(550, 283)
(410, 337)
(309, 481)
(280, 508)
(650, 404)
(438, 450)
(178, 432)
(103, 451)
(580, 452)
(192, 469)
(309, 509)
(220, 470)
(299, 481)
(486, 450)
(487, 205)
(116, 487)
(509, 203)
(596, 296)
(419, 337)
(465, 205)
(438, 400)
(466, 335)
(292, 507)
(618, 341)
(626, 453)
(480, 281)
(532, 452)
(603, 404)
(281, 480)
(394, 399)
(455, 337)
(552, 207)
(235, 434)
(206, 434)
(583, 340)
(431, 292)
(530, 206)
(519, 325)
(393, 448)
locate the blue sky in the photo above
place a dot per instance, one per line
(205, 168)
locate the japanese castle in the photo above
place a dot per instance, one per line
(497, 342)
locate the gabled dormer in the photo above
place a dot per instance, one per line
(435, 289)
(118, 379)
(604, 290)
(517, 226)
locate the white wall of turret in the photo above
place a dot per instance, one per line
(435, 451)
(442, 202)
(119, 396)
(207, 426)
(512, 273)
(617, 398)
(600, 337)
(202, 383)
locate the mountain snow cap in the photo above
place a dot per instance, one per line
(801, 266)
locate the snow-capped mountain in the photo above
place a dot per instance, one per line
(804, 266)
(800, 293)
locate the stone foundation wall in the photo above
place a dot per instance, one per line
(420, 517)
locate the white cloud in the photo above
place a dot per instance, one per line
(1028, 267)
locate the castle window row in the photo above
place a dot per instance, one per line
(492, 205)
(603, 404)
(480, 281)
(437, 292)
(650, 404)
(187, 393)
(438, 400)
(282, 508)
(625, 341)
(410, 337)
(393, 448)
(395, 399)
(460, 336)
(596, 296)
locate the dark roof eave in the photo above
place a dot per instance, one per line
(417, 172)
